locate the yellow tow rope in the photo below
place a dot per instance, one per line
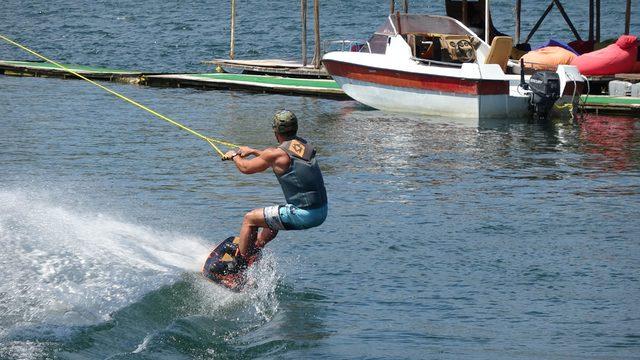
(565, 106)
(210, 140)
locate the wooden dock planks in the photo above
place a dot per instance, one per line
(38, 69)
(272, 67)
(260, 83)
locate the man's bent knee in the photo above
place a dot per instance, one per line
(254, 217)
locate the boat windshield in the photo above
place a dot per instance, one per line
(411, 25)
(401, 24)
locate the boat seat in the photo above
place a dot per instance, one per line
(500, 51)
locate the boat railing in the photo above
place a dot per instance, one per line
(346, 46)
(436, 62)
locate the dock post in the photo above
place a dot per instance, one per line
(597, 20)
(590, 20)
(303, 16)
(392, 7)
(233, 26)
(406, 6)
(316, 25)
(627, 21)
(518, 14)
(465, 12)
(486, 22)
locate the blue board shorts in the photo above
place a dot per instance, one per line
(289, 217)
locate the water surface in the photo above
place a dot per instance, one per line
(508, 240)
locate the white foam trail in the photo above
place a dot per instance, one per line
(260, 291)
(64, 266)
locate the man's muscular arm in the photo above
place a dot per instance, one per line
(247, 151)
(260, 163)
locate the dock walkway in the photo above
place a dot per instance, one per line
(44, 69)
(257, 83)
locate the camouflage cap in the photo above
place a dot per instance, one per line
(285, 122)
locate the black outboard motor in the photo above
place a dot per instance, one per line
(545, 91)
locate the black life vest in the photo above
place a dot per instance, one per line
(302, 183)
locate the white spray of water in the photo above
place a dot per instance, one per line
(63, 266)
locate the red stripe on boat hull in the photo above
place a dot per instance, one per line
(415, 80)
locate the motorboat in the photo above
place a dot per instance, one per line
(435, 65)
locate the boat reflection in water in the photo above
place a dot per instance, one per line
(614, 138)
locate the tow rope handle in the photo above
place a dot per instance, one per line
(229, 158)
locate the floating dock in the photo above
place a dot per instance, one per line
(256, 83)
(319, 87)
(259, 83)
(44, 69)
(611, 104)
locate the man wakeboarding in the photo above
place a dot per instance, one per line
(295, 166)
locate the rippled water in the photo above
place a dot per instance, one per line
(507, 240)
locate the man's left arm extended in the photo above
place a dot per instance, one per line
(245, 151)
(254, 165)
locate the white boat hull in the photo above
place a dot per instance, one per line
(427, 102)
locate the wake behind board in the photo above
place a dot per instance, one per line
(222, 268)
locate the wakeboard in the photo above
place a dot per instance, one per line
(223, 268)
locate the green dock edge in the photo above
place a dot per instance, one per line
(610, 100)
(272, 80)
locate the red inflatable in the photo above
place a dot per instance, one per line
(615, 58)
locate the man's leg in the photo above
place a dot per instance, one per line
(264, 236)
(253, 220)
